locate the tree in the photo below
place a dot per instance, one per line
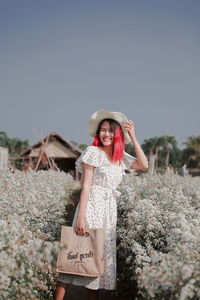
(175, 157)
(83, 146)
(151, 148)
(168, 141)
(130, 149)
(74, 143)
(14, 145)
(4, 139)
(191, 154)
(148, 146)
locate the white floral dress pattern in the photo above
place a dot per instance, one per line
(101, 212)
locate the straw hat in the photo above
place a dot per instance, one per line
(102, 114)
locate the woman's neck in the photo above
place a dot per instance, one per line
(109, 153)
(108, 150)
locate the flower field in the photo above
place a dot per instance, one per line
(158, 231)
(31, 212)
(159, 237)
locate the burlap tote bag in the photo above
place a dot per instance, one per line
(81, 255)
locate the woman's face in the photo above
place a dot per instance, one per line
(106, 134)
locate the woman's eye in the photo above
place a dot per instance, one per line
(104, 130)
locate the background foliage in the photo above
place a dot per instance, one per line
(165, 147)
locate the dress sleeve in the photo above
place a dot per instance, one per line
(128, 160)
(90, 156)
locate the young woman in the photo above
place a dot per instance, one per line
(103, 165)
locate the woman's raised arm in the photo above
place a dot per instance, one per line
(141, 162)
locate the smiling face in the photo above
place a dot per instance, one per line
(106, 134)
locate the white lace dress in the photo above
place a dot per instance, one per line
(101, 212)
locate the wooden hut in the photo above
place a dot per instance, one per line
(52, 152)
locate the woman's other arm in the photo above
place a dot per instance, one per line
(88, 172)
(141, 162)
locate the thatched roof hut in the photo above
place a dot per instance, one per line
(52, 152)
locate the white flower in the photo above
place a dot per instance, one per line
(31, 204)
(163, 232)
(186, 271)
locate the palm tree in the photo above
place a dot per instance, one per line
(148, 146)
(158, 146)
(151, 148)
(166, 141)
(130, 149)
(191, 154)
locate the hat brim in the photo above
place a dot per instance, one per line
(102, 114)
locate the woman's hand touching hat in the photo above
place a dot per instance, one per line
(130, 127)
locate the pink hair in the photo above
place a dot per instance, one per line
(118, 146)
(96, 141)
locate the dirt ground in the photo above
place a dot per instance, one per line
(80, 293)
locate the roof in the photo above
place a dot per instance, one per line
(54, 146)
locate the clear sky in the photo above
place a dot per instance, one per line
(62, 60)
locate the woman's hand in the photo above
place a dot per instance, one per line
(130, 127)
(141, 162)
(80, 225)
